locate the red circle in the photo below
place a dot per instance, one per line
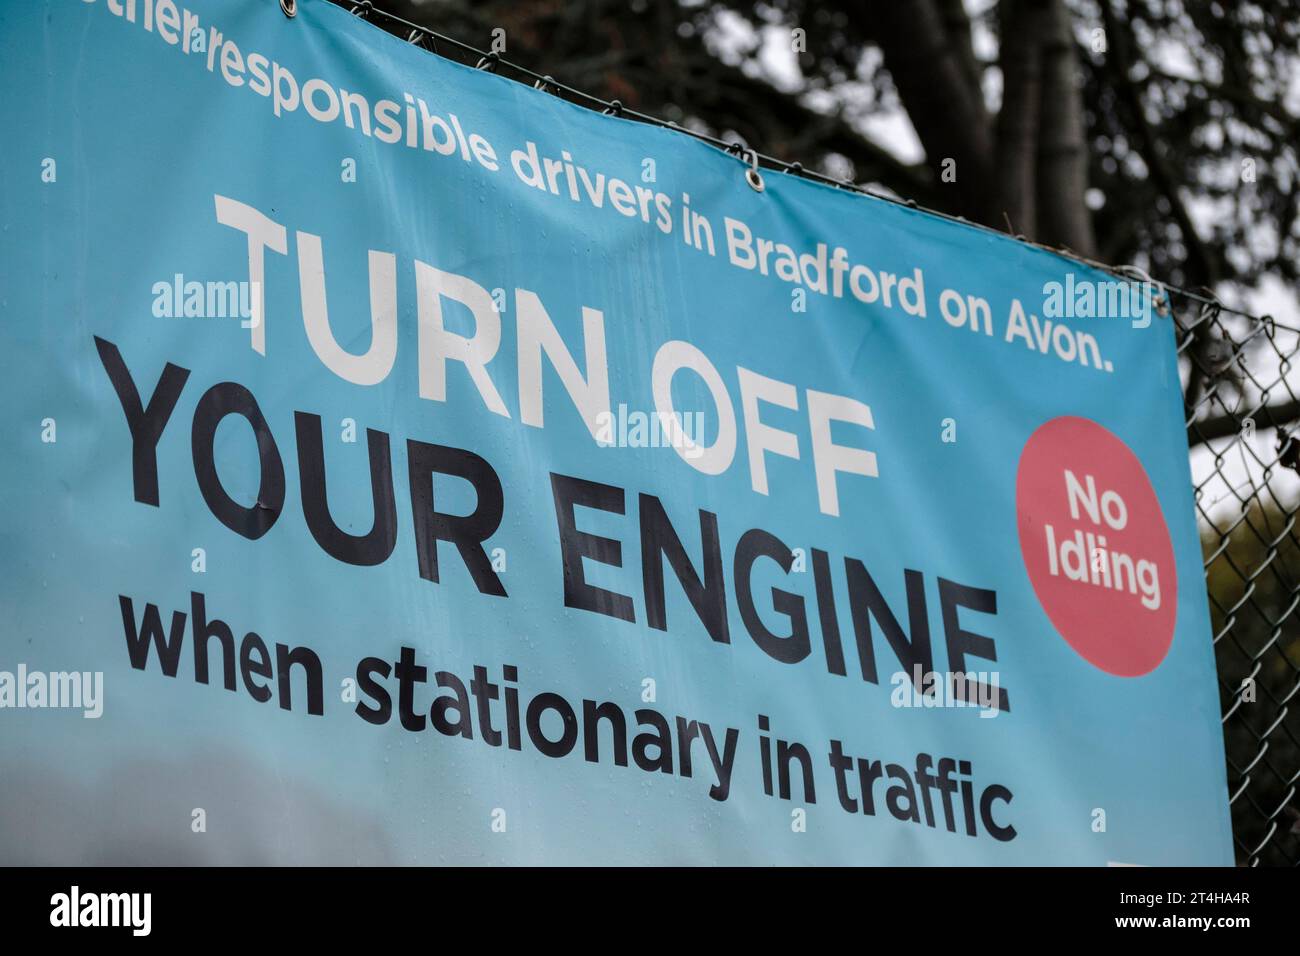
(1112, 596)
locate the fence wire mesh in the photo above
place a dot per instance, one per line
(1240, 396)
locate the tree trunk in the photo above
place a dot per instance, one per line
(1020, 57)
(1063, 216)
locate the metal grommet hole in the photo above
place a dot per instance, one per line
(752, 175)
(289, 7)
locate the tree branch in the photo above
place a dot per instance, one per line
(752, 102)
(957, 28)
(1121, 43)
(946, 111)
(1222, 426)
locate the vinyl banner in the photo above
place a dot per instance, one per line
(406, 465)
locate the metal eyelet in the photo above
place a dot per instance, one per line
(752, 175)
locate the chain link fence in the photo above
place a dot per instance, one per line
(1241, 409)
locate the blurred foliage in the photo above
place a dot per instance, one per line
(1157, 132)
